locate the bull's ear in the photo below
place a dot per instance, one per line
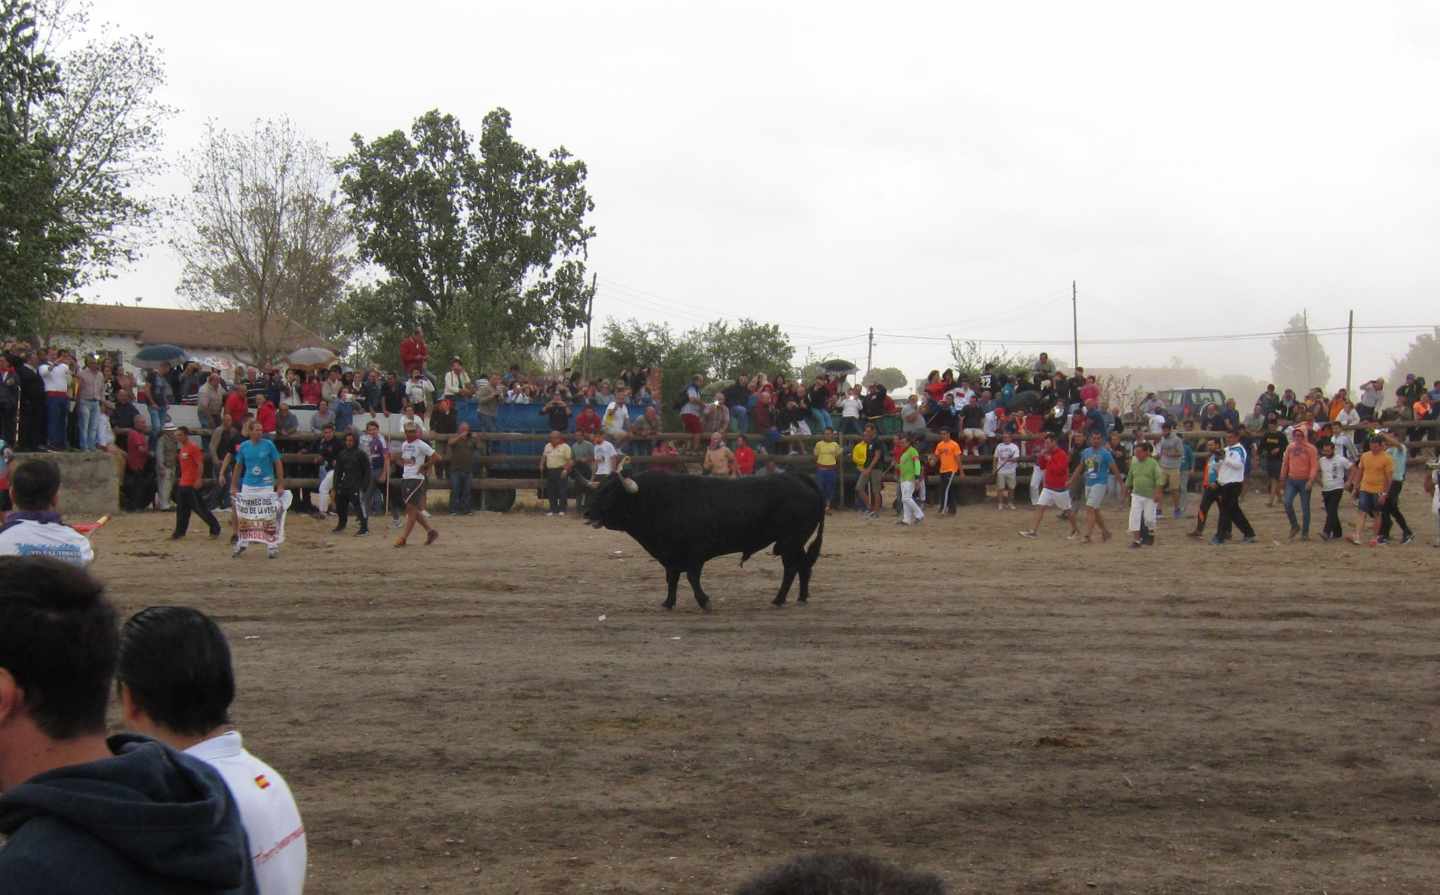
(630, 485)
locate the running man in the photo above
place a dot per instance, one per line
(1055, 487)
(416, 459)
(1232, 479)
(907, 470)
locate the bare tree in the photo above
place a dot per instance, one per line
(264, 233)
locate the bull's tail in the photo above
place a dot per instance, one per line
(813, 553)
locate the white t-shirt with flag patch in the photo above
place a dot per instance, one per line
(53, 539)
(267, 809)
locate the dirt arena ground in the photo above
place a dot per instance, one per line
(511, 711)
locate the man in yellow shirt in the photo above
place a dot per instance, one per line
(1371, 476)
(947, 454)
(827, 466)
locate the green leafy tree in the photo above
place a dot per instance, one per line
(889, 377)
(969, 359)
(35, 237)
(744, 347)
(106, 125)
(372, 319)
(264, 234)
(1301, 362)
(488, 240)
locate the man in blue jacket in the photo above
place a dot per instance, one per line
(84, 814)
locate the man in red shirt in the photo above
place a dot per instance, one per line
(414, 354)
(187, 495)
(744, 456)
(1056, 493)
(235, 403)
(588, 422)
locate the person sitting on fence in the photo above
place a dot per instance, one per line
(664, 451)
(643, 431)
(616, 421)
(587, 422)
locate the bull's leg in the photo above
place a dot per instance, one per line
(692, 574)
(672, 581)
(790, 568)
(804, 579)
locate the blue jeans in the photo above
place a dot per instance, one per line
(1302, 488)
(823, 418)
(57, 420)
(157, 423)
(826, 479)
(89, 410)
(460, 495)
(740, 418)
(850, 425)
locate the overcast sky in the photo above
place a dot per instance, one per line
(922, 169)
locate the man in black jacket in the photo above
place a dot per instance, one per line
(352, 483)
(85, 814)
(31, 416)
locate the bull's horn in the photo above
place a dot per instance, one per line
(630, 485)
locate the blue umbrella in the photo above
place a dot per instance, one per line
(159, 355)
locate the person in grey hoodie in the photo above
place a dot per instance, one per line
(85, 814)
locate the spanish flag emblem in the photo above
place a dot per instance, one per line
(261, 782)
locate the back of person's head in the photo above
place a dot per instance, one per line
(35, 484)
(57, 643)
(175, 663)
(841, 874)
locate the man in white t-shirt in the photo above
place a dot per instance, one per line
(1334, 470)
(850, 409)
(176, 685)
(606, 458)
(416, 458)
(34, 528)
(1007, 464)
(616, 421)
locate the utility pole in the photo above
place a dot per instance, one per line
(870, 352)
(1075, 324)
(1349, 350)
(589, 312)
(1309, 373)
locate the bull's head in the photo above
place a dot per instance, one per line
(609, 504)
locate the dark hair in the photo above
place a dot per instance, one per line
(176, 664)
(35, 484)
(58, 641)
(851, 873)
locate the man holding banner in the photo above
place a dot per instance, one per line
(258, 493)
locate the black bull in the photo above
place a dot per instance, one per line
(685, 520)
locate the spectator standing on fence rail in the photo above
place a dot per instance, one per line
(1054, 489)
(187, 495)
(643, 431)
(420, 392)
(89, 393)
(414, 353)
(1232, 479)
(556, 463)
(416, 460)
(460, 454)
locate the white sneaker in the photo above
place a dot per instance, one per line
(1029, 534)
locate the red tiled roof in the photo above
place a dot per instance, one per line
(175, 326)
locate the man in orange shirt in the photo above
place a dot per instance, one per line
(947, 454)
(1298, 470)
(1372, 474)
(187, 497)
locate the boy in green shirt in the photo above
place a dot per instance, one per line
(1142, 481)
(908, 471)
